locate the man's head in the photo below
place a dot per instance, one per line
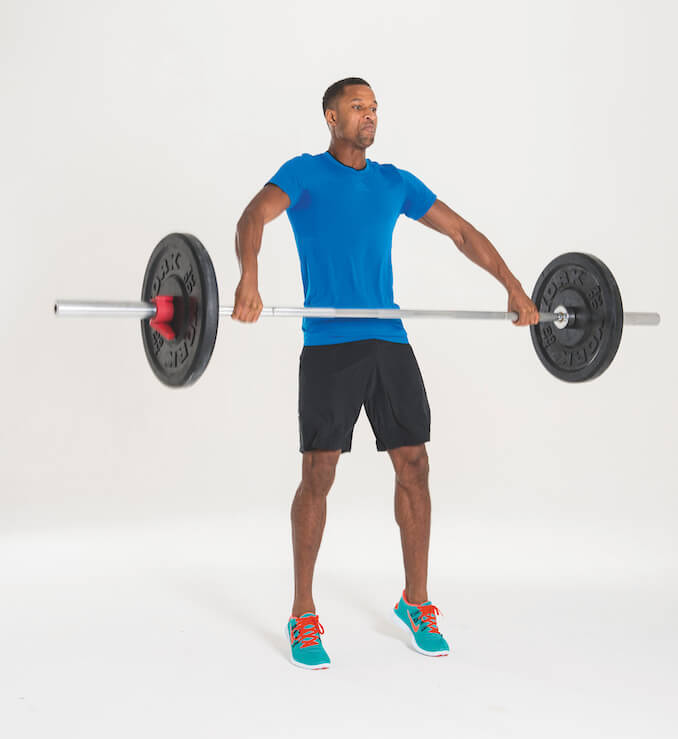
(351, 111)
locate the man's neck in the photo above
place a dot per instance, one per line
(348, 154)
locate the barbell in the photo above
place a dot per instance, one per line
(581, 316)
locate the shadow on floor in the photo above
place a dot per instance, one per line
(210, 593)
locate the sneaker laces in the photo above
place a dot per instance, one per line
(428, 617)
(307, 630)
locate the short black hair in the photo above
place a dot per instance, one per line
(336, 90)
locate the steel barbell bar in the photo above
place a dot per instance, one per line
(144, 311)
(581, 316)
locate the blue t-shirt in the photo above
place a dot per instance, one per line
(343, 221)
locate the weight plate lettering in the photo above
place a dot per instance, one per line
(181, 267)
(586, 287)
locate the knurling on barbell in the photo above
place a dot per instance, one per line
(581, 315)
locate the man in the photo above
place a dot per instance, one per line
(343, 208)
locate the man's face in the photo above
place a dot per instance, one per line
(355, 119)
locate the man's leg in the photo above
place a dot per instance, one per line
(413, 514)
(308, 522)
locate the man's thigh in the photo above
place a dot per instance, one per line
(332, 382)
(396, 403)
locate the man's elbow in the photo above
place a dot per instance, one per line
(461, 234)
(248, 218)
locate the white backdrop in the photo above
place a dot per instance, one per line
(548, 125)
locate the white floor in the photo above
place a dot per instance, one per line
(178, 631)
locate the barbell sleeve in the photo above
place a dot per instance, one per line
(104, 309)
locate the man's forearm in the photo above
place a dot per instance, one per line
(248, 235)
(479, 250)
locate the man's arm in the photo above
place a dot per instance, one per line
(478, 249)
(266, 205)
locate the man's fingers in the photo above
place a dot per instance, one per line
(526, 317)
(528, 314)
(247, 311)
(252, 312)
(531, 317)
(255, 310)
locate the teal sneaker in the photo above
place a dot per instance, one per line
(307, 649)
(420, 623)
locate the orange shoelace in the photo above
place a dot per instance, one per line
(307, 630)
(428, 617)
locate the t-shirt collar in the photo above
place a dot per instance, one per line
(343, 166)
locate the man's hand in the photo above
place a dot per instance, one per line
(519, 303)
(248, 305)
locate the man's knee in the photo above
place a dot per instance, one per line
(318, 470)
(411, 467)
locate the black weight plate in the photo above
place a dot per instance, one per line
(584, 285)
(180, 266)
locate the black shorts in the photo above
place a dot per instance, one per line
(335, 380)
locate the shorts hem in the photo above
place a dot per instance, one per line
(324, 449)
(404, 442)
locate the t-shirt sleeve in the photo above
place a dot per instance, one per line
(418, 198)
(288, 179)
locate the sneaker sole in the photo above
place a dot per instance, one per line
(403, 625)
(320, 666)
